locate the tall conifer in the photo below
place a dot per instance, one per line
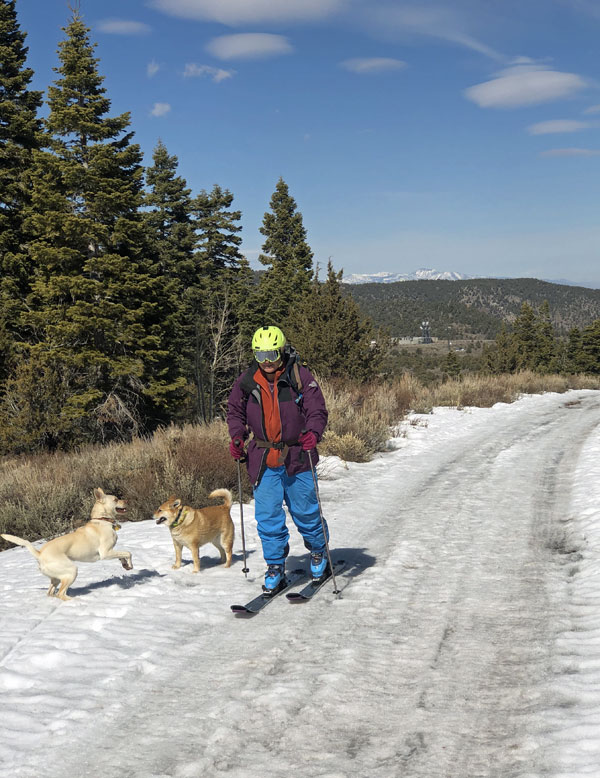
(20, 134)
(332, 335)
(218, 230)
(217, 314)
(547, 346)
(525, 339)
(172, 237)
(589, 353)
(574, 356)
(95, 314)
(288, 257)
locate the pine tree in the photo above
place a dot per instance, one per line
(95, 315)
(525, 339)
(574, 356)
(215, 309)
(547, 347)
(332, 335)
(20, 135)
(451, 365)
(288, 258)
(169, 217)
(172, 235)
(589, 354)
(501, 358)
(218, 240)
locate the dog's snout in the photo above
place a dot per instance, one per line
(160, 519)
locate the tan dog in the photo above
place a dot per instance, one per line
(93, 541)
(193, 527)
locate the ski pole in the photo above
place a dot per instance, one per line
(336, 591)
(245, 569)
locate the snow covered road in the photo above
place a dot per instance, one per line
(443, 656)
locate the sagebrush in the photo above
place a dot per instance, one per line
(48, 494)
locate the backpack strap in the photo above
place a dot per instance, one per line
(295, 377)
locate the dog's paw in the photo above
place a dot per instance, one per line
(127, 564)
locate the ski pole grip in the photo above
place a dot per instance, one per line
(239, 442)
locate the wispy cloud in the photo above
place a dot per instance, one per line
(593, 109)
(201, 71)
(249, 45)
(558, 126)
(368, 65)
(123, 27)
(589, 7)
(573, 152)
(524, 84)
(152, 68)
(240, 12)
(160, 109)
(447, 24)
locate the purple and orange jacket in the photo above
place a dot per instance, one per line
(297, 411)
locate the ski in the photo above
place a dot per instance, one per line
(258, 603)
(313, 587)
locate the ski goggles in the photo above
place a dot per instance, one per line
(267, 356)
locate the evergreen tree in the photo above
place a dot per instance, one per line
(525, 339)
(20, 134)
(574, 356)
(218, 240)
(501, 358)
(589, 353)
(451, 365)
(332, 335)
(288, 258)
(547, 347)
(173, 240)
(169, 218)
(215, 308)
(96, 306)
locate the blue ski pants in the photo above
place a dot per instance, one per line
(298, 493)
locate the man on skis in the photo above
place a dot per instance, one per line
(279, 401)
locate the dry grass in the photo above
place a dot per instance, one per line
(366, 413)
(46, 495)
(483, 391)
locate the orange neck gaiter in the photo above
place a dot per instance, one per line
(270, 404)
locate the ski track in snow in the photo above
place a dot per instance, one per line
(465, 642)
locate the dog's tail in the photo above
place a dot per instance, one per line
(225, 494)
(21, 542)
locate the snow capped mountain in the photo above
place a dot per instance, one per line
(422, 274)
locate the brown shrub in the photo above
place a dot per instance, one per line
(48, 494)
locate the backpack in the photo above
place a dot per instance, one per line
(293, 369)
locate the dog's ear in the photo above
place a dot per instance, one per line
(98, 493)
(176, 503)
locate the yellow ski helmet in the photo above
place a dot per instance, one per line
(267, 339)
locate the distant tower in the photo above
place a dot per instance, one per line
(425, 334)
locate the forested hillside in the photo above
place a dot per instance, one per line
(471, 308)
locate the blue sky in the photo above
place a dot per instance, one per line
(458, 135)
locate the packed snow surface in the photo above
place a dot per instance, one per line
(465, 642)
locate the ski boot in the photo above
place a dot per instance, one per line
(274, 579)
(319, 566)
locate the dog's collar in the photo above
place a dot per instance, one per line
(180, 517)
(115, 524)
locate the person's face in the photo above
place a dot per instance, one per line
(269, 367)
(269, 361)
